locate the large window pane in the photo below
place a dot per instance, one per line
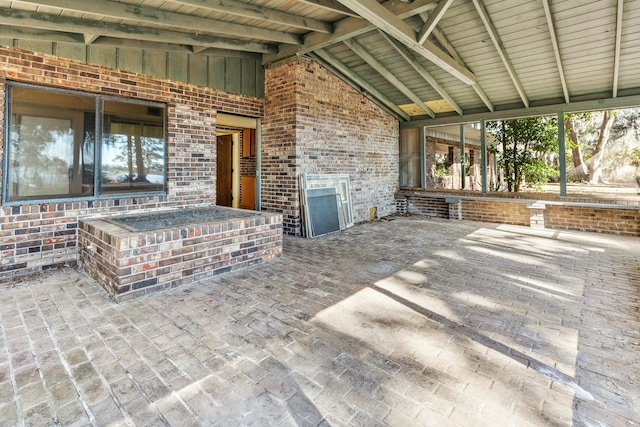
(48, 141)
(410, 158)
(51, 149)
(133, 148)
(452, 163)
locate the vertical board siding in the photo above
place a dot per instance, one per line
(198, 70)
(71, 51)
(102, 55)
(233, 67)
(238, 73)
(178, 66)
(130, 60)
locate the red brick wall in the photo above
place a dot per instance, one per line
(608, 218)
(604, 220)
(316, 123)
(491, 211)
(279, 166)
(33, 236)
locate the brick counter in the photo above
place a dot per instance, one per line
(131, 264)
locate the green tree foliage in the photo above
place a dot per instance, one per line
(599, 142)
(522, 148)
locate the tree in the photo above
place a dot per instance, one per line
(595, 177)
(581, 169)
(591, 135)
(521, 149)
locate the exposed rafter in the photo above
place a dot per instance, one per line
(339, 66)
(246, 10)
(198, 49)
(76, 25)
(90, 38)
(432, 21)
(37, 34)
(444, 42)
(332, 5)
(616, 65)
(597, 104)
(493, 34)
(384, 72)
(348, 28)
(391, 24)
(413, 61)
(556, 48)
(192, 24)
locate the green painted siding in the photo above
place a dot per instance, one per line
(230, 71)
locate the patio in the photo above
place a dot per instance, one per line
(407, 321)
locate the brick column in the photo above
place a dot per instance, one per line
(536, 215)
(455, 208)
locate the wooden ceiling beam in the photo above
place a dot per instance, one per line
(8, 31)
(432, 21)
(556, 48)
(410, 57)
(348, 28)
(40, 21)
(246, 10)
(90, 38)
(186, 23)
(347, 72)
(331, 5)
(497, 43)
(616, 65)
(388, 75)
(599, 103)
(444, 42)
(393, 25)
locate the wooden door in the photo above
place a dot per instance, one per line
(224, 159)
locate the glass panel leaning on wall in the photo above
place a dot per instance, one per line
(51, 148)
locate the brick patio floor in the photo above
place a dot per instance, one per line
(408, 322)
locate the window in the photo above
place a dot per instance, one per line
(56, 139)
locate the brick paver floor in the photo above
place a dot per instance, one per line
(407, 322)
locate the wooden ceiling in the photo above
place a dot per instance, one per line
(425, 61)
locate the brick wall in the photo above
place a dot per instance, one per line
(37, 236)
(605, 220)
(492, 211)
(315, 123)
(534, 210)
(129, 264)
(279, 165)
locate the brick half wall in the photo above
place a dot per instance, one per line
(554, 213)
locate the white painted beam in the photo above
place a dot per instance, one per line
(493, 34)
(616, 65)
(339, 66)
(384, 72)
(556, 48)
(35, 20)
(348, 28)
(247, 10)
(444, 42)
(543, 110)
(186, 23)
(393, 25)
(432, 21)
(90, 38)
(413, 61)
(331, 5)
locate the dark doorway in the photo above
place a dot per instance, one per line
(224, 159)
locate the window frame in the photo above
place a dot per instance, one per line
(96, 193)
